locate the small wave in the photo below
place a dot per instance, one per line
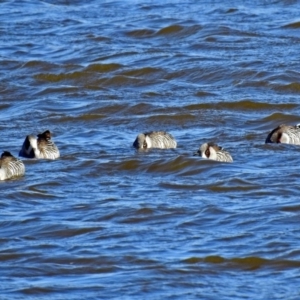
(234, 184)
(293, 87)
(57, 90)
(4, 106)
(151, 162)
(242, 105)
(250, 263)
(147, 71)
(139, 108)
(177, 29)
(231, 10)
(82, 75)
(37, 290)
(291, 208)
(293, 25)
(103, 68)
(66, 232)
(281, 118)
(50, 77)
(120, 80)
(204, 94)
(38, 64)
(98, 38)
(172, 29)
(141, 33)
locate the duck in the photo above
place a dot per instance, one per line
(285, 134)
(40, 147)
(10, 166)
(214, 152)
(155, 139)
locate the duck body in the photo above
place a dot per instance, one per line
(10, 166)
(285, 134)
(41, 147)
(155, 139)
(214, 152)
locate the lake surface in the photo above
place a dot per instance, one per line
(107, 222)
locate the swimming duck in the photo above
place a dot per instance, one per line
(214, 152)
(41, 147)
(286, 134)
(155, 139)
(10, 166)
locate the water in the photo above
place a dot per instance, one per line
(106, 222)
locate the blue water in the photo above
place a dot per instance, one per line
(107, 222)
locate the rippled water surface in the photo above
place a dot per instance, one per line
(107, 222)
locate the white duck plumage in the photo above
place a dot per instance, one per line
(10, 166)
(286, 134)
(214, 152)
(155, 139)
(41, 147)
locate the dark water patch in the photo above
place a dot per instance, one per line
(172, 29)
(243, 105)
(141, 33)
(103, 68)
(74, 73)
(10, 256)
(54, 78)
(151, 94)
(204, 94)
(293, 25)
(38, 187)
(151, 161)
(173, 166)
(231, 10)
(178, 186)
(40, 65)
(250, 263)
(36, 194)
(99, 38)
(233, 184)
(293, 87)
(65, 232)
(4, 106)
(142, 218)
(130, 165)
(281, 118)
(37, 290)
(293, 208)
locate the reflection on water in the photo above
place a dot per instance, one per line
(108, 220)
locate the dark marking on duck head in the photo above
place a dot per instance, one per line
(46, 135)
(6, 154)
